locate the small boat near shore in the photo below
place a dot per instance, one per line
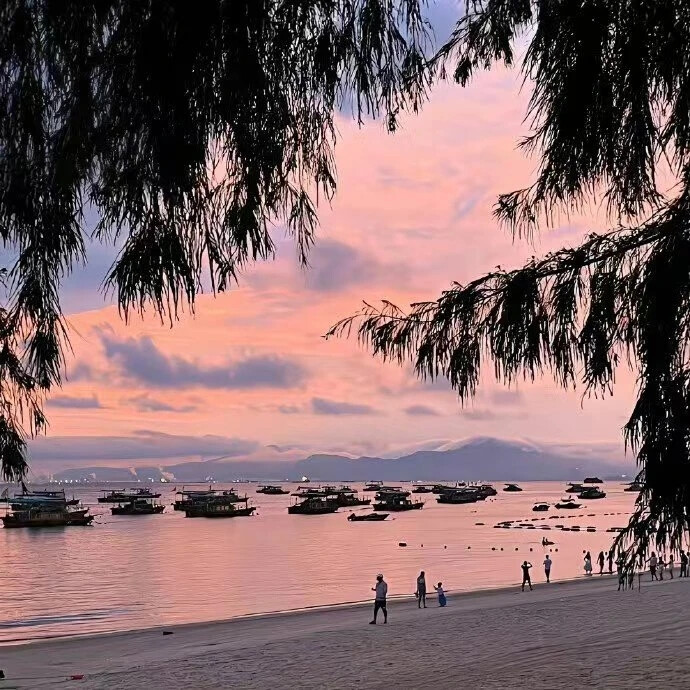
(540, 507)
(574, 488)
(315, 503)
(634, 486)
(593, 480)
(512, 488)
(568, 504)
(591, 492)
(367, 517)
(372, 486)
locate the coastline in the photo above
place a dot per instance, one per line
(504, 628)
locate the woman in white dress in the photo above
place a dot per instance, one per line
(588, 564)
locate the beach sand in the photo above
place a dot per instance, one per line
(581, 634)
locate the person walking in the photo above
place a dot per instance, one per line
(588, 564)
(670, 566)
(601, 559)
(683, 564)
(661, 566)
(381, 590)
(525, 575)
(441, 594)
(653, 560)
(547, 567)
(421, 590)
(610, 557)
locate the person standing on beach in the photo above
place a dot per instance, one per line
(683, 564)
(670, 565)
(421, 590)
(652, 565)
(547, 567)
(588, 564)
(661, 565)
(610, 562)
(441, 594)
(525, 575)
(601, 559)
(381, 590)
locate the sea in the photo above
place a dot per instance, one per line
(126, 573)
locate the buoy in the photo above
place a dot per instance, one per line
(469, 547)
(444, 546)
(530, 549)
(422, 545)
(493, 548)
(556, 550)
(516, 548)
(501, 548)
(402, 543)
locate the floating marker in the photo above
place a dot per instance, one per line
(402, 543)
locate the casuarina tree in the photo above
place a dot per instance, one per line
(188, 130)
(610, 118)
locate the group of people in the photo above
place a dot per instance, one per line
(602, 559)
(527, 566)
(381, 594)
(658, 565)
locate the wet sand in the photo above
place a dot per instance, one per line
(584, 634)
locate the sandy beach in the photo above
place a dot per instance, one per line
(582, 633)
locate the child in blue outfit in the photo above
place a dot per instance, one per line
(441, 594)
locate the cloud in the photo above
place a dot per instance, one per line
(75, 402)
(505, 397)
(333, 407)
(81, 372)
(144, 444)
(143, 403)
(421, 411)
(141, 361)
(478, 414)
(289, 409)
(335, 266)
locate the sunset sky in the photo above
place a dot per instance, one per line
(250, 369)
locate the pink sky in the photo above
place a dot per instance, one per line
(412, 214)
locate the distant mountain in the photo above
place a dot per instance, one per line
(487, 459)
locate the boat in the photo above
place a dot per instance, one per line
(511, 488)
(123, 496)
(188, 496)
(540, 507)
(634, 486)
(219, 507)
(367, 517)
(574, 488)
(372, 486)
(34, 498)
(346, 497)
(271, 490)
(138, 506)
(458, 496)
(316, 503)
(43, 516)
(568, 504)
(395, 501)
(593, 480)
(486, 490)
(591, 492)
(422, 489)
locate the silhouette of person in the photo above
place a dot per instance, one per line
(610, 559)
(601, 559)
(683, 564)
(381, 590)
(547, 567)
(441, 594)
(421, 590)
(525, 575)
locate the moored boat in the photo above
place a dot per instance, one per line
(574, 488)
(372, 486)
(512, 488)
(593, 480)
(272, 490)
(540, 507)
(367, 517)
(395, 501)
(220, 507)
(43, 516)
(110, 496)
(591, 492)
(138, 506)
(634, 486)
(316, 503)
(568, 504)
(459, 496)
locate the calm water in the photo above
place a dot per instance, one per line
(133, 572)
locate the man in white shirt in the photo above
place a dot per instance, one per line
(381, 590)
(547, 567)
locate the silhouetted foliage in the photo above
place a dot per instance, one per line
(610, 112)
(189, 129)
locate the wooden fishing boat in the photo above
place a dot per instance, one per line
(124, 496)
(634, 486)
(367, 517)
(316, 503)
(512, 488)
(47, 517)
(139, 506)
(458, 496)
(372, 486)
(568, 504)
(591, 492)
(272, 490)
(593, 480)
(540, 507)
(219, 508)
(395, 501)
